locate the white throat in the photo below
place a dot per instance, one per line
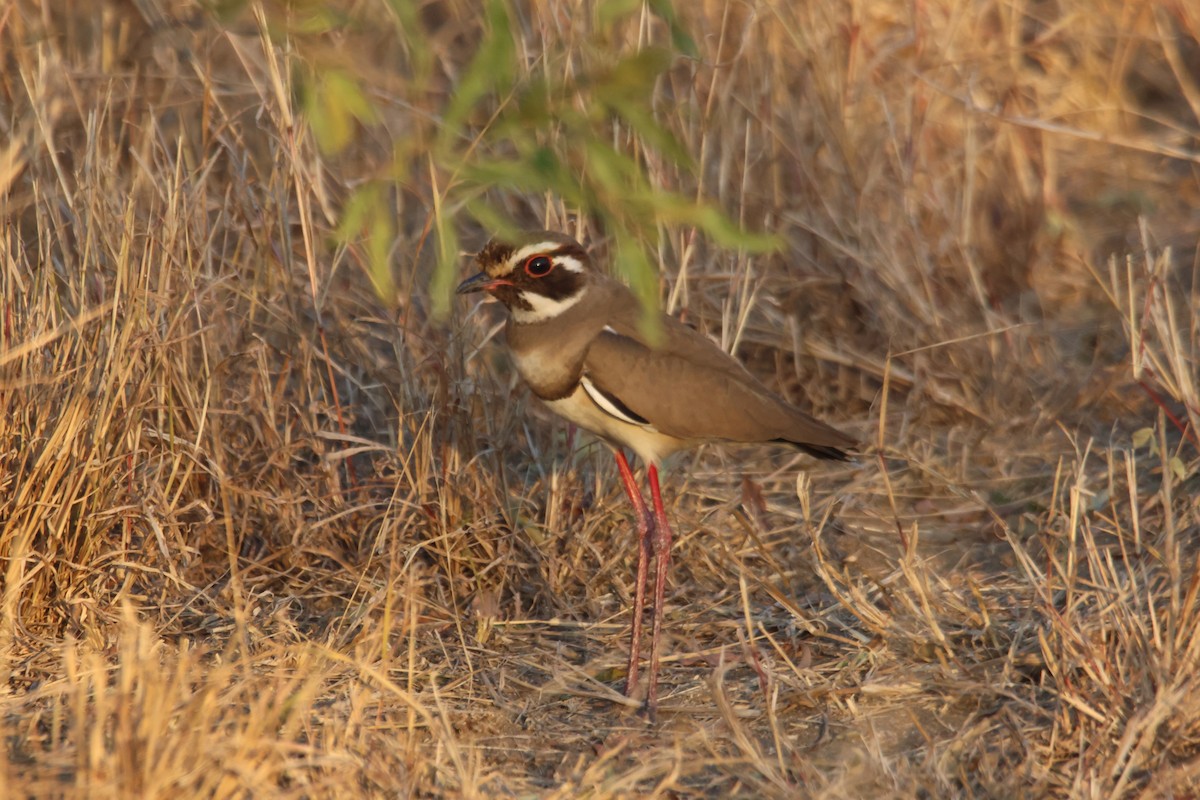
(544, 308)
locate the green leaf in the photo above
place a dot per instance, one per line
(674, 209)
(512, 174)
(228, 10)
(314, 19)
(492, 67)
(355, 212)
(1177, 468)
(632, 78)
(611, 11)
(380, 235)
(1143, 437)
(615, 172)
(537, 171)
(496, 222)
(446, 272)
(533, 107)
(366, 217)
(333, 103)
(560, 127)
(679, 36)
(411, 36)
(631, 262)
(641, 120)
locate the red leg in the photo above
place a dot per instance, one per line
(645, 531)
(662, 553)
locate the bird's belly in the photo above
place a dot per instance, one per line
(652, 446)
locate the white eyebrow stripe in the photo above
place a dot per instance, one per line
(543, 308)
(569, 263)
(528, 250)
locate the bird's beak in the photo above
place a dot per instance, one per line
(477, 283)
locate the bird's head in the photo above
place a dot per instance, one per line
(538, 275)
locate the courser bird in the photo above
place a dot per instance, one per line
(576, 338)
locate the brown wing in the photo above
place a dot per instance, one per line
(689, 388)
(676, 339)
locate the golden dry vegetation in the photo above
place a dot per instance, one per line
(266, 534)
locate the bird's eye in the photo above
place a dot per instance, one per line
(539, 266)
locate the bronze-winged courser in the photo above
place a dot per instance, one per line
(577, 339)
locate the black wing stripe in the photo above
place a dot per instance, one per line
(611, 404)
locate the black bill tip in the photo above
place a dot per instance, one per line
(475, 283)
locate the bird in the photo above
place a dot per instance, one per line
(577, 340)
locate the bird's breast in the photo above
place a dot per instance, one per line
(549, 375)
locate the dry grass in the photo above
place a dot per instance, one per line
(261, 536)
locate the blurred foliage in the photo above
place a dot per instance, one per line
(575, 122)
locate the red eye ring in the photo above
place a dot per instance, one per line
(538, 266)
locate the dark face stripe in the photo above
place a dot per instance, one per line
(561, 283)
(558, 284)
